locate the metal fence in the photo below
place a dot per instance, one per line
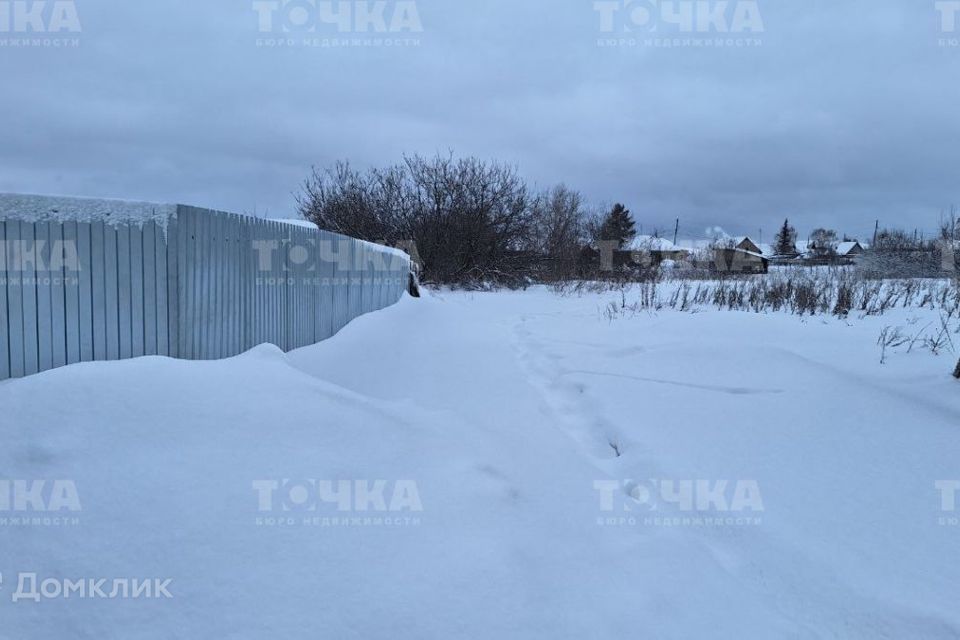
(197, 284)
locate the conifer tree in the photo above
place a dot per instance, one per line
(618, 226)
(786, 242)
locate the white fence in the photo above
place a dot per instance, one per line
(79, 285)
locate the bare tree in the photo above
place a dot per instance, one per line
(471, 218)
(899, 254)
(371, 206)
(559, 230)
(823, 243)
(468, 218)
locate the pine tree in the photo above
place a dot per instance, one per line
(786, 242)
(956, 372)
(618, 226)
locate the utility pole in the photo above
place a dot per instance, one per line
(676, 230)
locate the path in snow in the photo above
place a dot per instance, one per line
(502, 409)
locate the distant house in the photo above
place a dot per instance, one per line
(765, 249)
(749, 245)
(804, 250)
(653, 250)
(737, 260)
(850, 249)
(841, 253)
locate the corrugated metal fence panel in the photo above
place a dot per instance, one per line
(204, 294)
(166, 250)
(4, 317)
(28, 296)
(112, 278)
(235, 313)
(150, 342)
(325, 274)
(356, 281)
(186, 279)
(84, 275)
(340, 257)
(290, 292)
(71, 292)
(251, 297)
(14, 299)
(137, 286)
(208, 284)
(98, 294)
(58, 312)
(257, 292)
(214, 299)
(124, 293)
(283, 328)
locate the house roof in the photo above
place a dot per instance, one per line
(846, 247)
(765, 248)
(651, 243)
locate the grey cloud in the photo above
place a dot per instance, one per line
(844, 114)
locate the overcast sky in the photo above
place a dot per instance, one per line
(831, 113)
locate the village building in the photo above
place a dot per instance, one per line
(736, 260)
(747, 244)
(850, 249)
(645, 250)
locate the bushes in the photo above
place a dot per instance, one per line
(471, 222)
(804, 292)
(897, 254)
(844, 299)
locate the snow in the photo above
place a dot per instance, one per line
(300, 222)
(297, 222)
(398, 253)
(39, 208)
(503, 409)
(846, 247)
(651, 243)
(766, 249)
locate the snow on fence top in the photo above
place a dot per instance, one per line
(300, 222)
(37, 208)
(33, 208)
(385, 249)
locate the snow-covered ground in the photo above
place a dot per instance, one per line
(513, 465)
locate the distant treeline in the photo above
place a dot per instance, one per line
(898, 254)
(473, 222)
